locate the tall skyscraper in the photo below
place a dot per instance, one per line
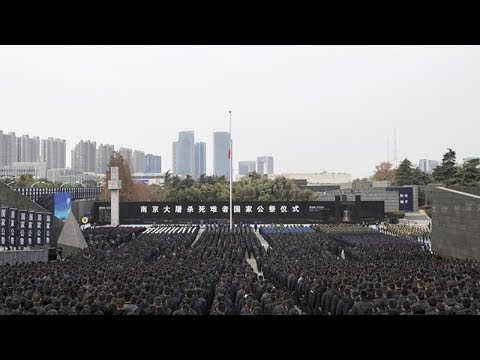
(127, 155)
(221, 162)
(174, 157)
(427, 166)
(138, 161)
(265, 165)
(54, 153)
(246, 167)
(183, 154)
(84, 156)
(104, 153)
(8, 149)
(153, 164)
(28, 149)
(200, 159)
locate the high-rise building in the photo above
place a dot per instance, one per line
(54, 153)
(174, 157)
(221, 146)
(104, 153)
(153, 164)
(246, 167)
(28, 149)
(8, 148)
(84, 156)
(37, 169)
(265, 165)
(127, 155)
(200, 159)
(427, 166)
(183, 154)
(138, 161)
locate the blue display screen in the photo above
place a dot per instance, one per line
(62, 205)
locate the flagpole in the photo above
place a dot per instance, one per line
(231, 168)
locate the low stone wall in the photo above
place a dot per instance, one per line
(456, 224)
(25, 256)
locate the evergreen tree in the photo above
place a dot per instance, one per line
(468, 174)
(447, 171)
(404, 173)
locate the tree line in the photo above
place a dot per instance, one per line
(449, 173)
(252, 187)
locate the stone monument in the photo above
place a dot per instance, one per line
(71, 238)
(114, 185)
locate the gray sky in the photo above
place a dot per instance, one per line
(313, 108)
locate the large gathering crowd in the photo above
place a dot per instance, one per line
(188, 270)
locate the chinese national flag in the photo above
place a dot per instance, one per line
(229, 153)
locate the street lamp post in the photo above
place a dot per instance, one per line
(35, 183)
(81, 183)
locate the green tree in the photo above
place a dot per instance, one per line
(167, 178)
(447, 171)
(419, 177)
(186, 183)
(25, 180)
(90, 183)
(467, 175)
(404, 173)
(249, 188)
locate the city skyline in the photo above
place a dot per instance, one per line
(320, 104)
(29, 138)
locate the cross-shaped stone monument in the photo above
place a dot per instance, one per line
(114, 185)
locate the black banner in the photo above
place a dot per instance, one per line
(48, 228)
(13, 239)
(4, 233)
(30, 228)
(22, 234)
(77, 192)
(248, 212)
(39, 229)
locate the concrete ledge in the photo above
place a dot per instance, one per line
(22, 257)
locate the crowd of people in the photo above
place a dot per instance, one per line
(188, 270)
(379, 274)
(414, 232)
(110, 236)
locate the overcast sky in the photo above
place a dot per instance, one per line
(313, 108)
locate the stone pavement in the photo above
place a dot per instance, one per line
(253, 263)
(262, 240)
(200, 232)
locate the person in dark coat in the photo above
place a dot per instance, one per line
(345, 303)
(363, 306)
(281, 309)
